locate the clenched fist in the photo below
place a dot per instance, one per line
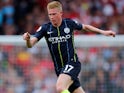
(26, 36)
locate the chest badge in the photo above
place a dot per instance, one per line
(66, 30)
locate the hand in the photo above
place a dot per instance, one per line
(26, 36)
(109, 33)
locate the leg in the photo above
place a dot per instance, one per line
(67, 78)
(79, 90)
(76, 87)
(63, 83)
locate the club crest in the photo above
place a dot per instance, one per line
(66, 30)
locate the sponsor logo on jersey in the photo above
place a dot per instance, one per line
(54, 40)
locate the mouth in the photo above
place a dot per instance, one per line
(53, 21)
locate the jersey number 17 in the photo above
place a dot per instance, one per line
(68, 68)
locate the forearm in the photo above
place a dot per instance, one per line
(92, 29)
(28, 43)
(31, 42)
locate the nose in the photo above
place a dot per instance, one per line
(51, 17)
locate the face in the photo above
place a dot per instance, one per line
(55, 16)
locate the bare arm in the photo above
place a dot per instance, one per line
(94, 29)
(30, 42)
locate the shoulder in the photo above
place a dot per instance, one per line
(72, 21)
(44, 26)
(68, 20)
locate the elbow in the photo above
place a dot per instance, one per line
(86, 27)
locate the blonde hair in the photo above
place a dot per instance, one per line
(54, 4)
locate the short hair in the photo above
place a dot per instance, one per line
(54, 4)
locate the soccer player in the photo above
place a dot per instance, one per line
(59, 34)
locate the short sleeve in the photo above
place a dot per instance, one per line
(40, 32)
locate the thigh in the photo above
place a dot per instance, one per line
(64, 81)
(78, 90)
(72, 69)
(69, 74)
(75, 85)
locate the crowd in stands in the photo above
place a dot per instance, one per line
(24, 70)
(17, 17)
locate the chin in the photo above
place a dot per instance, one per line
(54, 23)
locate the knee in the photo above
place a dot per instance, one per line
(59, 88)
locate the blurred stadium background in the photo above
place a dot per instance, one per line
(24, 70)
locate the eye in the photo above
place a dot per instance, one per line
(52, 14)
